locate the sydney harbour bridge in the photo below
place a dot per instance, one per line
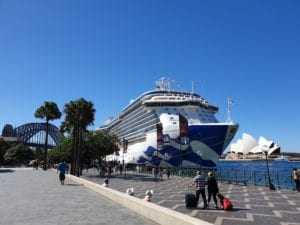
(32, 134)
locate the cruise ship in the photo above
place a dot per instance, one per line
(170, 128)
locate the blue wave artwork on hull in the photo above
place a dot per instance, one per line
(211, 136)
(176, 157)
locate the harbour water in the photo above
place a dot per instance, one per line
(259, 165)
(255, 172)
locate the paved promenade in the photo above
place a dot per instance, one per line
(35, 197)
(31, 197)
(252, 205)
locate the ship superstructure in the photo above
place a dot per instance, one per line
(166, 127)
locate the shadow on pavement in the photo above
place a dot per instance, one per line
(6, 171)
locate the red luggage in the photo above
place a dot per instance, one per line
(225, 202)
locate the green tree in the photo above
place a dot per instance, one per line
(38, 154)
(49, 111)
(63, 151)
(18, 154)
(98, 145)
(79, 115)
(4, 145)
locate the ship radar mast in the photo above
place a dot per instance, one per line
(163, 84)
(229, 103)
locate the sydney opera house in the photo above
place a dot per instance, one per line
(248, 148)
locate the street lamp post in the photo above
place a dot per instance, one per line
(265, 150)
(125, 145)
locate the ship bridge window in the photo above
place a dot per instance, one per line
(171, 118)
(174, 123)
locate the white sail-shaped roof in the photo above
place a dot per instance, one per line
(239, 147)
(233, 147)
(256, 150)
(248, 145)
(264, 142)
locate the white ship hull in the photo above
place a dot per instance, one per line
(170, 128)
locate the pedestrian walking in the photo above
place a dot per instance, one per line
(121, 169)
(168, 172)
(160, 173)
(199, 181)
(296, 179)
(212, 188)
(62, 168)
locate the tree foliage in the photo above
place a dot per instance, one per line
(18, 154)
(4, 145)
(79, 115)
(63, 151)
(38, 154)
(100, 144)
(49, 111)
(95, 145)
(79, 111)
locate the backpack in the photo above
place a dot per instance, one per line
(227, 205)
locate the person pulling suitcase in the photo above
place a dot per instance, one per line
(199, 181)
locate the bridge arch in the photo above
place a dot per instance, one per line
(33, 134)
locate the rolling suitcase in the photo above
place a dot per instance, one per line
(190, 200)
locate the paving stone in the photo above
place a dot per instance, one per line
(252, 204)
(35, 197)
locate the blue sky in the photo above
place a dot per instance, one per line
(109, 52)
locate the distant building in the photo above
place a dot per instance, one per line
(248, 148)
(8, 134)
(8, 131)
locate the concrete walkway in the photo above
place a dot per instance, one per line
(252, 205)
(35, 197)
(31, 197)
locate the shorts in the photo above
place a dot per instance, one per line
(62, 176)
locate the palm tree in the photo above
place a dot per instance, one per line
(49, 111)
(79, 115)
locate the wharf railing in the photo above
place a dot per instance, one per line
(281, 180)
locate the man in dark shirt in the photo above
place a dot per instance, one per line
(199, 181)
